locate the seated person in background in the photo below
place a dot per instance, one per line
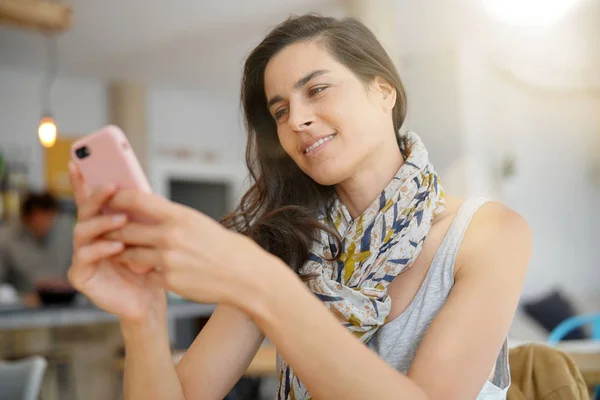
(27, 260)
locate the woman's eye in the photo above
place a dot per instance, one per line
(317, 90)
(279, 113)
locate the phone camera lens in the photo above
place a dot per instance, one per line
(82, 152)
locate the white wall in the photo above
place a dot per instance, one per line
(79, 106)
(552, 138)
(472, 117)
(197, 121)
(431, 85)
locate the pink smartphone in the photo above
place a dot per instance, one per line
(105, 157)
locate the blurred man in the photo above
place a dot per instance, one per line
(27, 260)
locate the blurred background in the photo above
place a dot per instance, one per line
(505, 94)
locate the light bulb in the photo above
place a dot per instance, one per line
(529, 13)
(47, 131)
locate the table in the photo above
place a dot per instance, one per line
(53, 317)
(586, 355)
(62, 316)
(264, 362)
(589, 366)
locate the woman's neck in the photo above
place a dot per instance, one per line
(371, 177)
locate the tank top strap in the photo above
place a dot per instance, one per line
(456, 233)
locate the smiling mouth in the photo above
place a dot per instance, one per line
(319, 143)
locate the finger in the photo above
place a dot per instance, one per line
(88, 230)
(139, 256)
(132, 269)
(136, 234)
(80, 190)
(137, 269)
(141, 269)
(144, 205)
(95, 202)
(85, 259)
(156, 280)
(96, 251)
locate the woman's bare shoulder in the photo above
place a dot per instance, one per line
(496, 231)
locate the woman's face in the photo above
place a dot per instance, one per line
(328, 122)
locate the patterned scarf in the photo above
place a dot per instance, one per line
(380, 244)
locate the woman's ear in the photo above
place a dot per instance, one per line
(387, 92)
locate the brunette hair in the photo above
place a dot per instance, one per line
(280, 211)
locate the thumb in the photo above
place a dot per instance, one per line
(79, 275)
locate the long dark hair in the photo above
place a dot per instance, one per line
(280, 210)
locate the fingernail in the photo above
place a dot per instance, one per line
(116, 246)
(119, 218)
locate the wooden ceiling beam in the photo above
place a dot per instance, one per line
(43, 15)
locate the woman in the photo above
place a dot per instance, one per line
(346, 222)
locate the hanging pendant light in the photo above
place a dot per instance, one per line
(47, 131)
(47, 128)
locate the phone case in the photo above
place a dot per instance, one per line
(110, 160)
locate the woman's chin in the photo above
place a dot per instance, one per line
(328, 176)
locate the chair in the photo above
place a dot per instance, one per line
(575, 322)
(541, 372)
(22, 379)
(59, 366)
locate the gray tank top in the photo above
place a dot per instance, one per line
(397, 341)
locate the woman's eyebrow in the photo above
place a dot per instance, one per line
(301, 82)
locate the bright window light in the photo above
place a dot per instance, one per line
(529, 13)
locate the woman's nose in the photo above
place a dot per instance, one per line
(301, 117)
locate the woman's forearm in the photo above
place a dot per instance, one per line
(149, 370)
(331, 362)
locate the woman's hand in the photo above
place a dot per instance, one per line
(195, 256)
(111, 286)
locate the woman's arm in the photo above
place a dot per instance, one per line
(149, 370)
(458, 350)
(213, 364)
(220, 354)
(201, 260)
(463, 341)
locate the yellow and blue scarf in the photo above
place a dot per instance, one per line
(377, 246)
